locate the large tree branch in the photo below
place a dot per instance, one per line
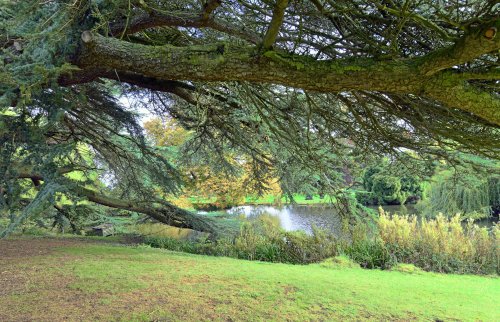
(163, 212)
(181, 89)
(453, 92)
(228, 62)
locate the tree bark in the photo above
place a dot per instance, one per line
(165, 213)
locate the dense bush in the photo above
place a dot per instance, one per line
(384, 186)
(366, 197)
(388, 189)
(370, 253)
(440, 245)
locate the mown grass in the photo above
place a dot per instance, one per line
(299, 199)
(144, 284)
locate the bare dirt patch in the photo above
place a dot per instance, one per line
(21, 248)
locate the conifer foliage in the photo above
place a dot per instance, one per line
(311, 81)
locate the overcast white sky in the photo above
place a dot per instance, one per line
(144, 114)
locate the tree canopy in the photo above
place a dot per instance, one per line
(302, 84)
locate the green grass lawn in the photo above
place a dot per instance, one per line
(298, 198)
(271, 200)
(92, 281)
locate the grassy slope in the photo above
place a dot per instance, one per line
(127, 283)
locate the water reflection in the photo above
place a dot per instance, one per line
(303, 217)
(294, 217)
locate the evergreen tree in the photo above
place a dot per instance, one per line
(282, 82)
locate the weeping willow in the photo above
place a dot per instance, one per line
(470, 195)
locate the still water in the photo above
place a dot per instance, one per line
(303, 217)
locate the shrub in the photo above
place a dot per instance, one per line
(341, 261)
(171, 244)
(366, 198)
(370, 253)
(387, 189)
(388, 183)
(162, 230)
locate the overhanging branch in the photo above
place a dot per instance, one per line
(227, 62)
(231, 62)
(164, 212)
(456, 93)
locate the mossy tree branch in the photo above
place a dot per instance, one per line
(163, 212)
(479, 41)
(456, 93)
(227, 62)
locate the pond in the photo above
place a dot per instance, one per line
(303, 217)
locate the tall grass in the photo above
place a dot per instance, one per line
(440, 244)
(260, 239)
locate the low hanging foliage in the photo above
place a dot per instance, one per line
(403, 76)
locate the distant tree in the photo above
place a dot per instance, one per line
(166, 132)
(388, 183)
(463, 190)
(215, 187)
